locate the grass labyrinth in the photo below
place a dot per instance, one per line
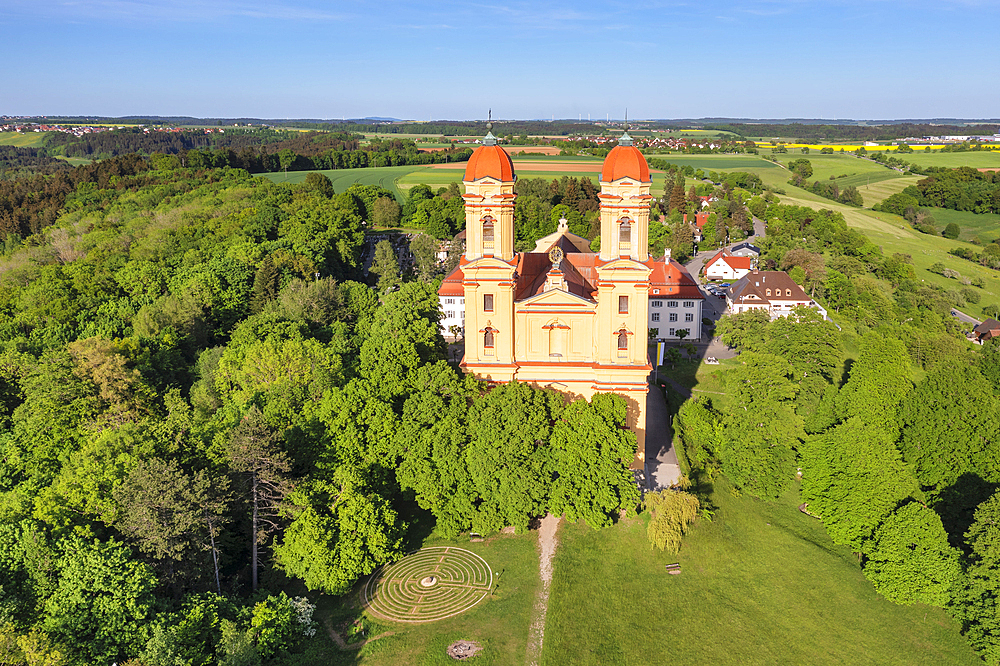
(428, 585)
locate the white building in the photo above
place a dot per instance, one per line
(773, 291)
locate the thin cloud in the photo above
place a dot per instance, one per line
(186, 11)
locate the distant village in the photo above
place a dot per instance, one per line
(81, 130)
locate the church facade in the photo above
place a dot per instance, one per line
(563, 316)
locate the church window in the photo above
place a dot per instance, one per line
(622, 340)
(656, 316)
(487, 233)
(487, 302)
(625, 234)
(623, 304)
(488, 340)
(673, 316)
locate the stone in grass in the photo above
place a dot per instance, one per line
(464, 649)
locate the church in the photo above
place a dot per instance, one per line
(563, 316)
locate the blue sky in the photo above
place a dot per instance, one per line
(875, 59)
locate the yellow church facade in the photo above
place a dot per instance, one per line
(562, 316)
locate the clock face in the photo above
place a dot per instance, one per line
(556, 255)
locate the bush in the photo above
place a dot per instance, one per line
(979, 282)
(970, 295)
(938, 268)
(991, 311)
(951, 231)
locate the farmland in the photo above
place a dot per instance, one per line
(979, 159)
(27, 140)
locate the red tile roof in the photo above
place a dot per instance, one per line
(625, 162)
(490, 161)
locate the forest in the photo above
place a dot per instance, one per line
(207, 418)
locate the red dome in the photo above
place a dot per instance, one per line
(490, 161)
(625, 161)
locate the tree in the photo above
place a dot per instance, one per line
(170, 513)
(253, 454)
(801, 168)
(878, 382)
(424, 250)
(852, 478)
(671, 513)
(508, 459)
(341, 531)
(744, 330)
(319, 183)
(103, 602)
(593, 449)
(951, 231)
(681, 333)
(910, 560)
(977, 600)
(385, 266)
(386, 213)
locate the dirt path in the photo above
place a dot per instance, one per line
(546, 550)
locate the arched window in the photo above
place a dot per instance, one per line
(622, 339)
(488, 338)
(487, 233)
(625, 234)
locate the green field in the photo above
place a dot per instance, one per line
(26, 140)
(760, 584)
(499, 623)
(837, 166)
(344, 178)
(985, 226)
(980, 159)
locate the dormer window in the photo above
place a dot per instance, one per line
(768, 292)
(788, 292)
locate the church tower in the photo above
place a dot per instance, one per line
(625, 200)
(489, 263)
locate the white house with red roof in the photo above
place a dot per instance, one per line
(725, 266)
(772, 291)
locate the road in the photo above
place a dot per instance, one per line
(961, 316)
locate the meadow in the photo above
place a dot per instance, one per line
(22, 140)
(760, 584)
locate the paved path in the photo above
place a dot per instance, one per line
(961, 316)
(662, 469)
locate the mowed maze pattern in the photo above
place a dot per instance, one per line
(395, 593)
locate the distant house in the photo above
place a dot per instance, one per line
(773, 291)
(745, 249)
(724, 266)
(988, 330)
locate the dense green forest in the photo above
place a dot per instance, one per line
(203, 405)
(892, 420)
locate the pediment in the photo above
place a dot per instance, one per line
(556, 298)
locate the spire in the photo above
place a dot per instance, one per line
(625, 139)
(489, 139)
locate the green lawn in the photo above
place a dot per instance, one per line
(761, 584)
(500, 624)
